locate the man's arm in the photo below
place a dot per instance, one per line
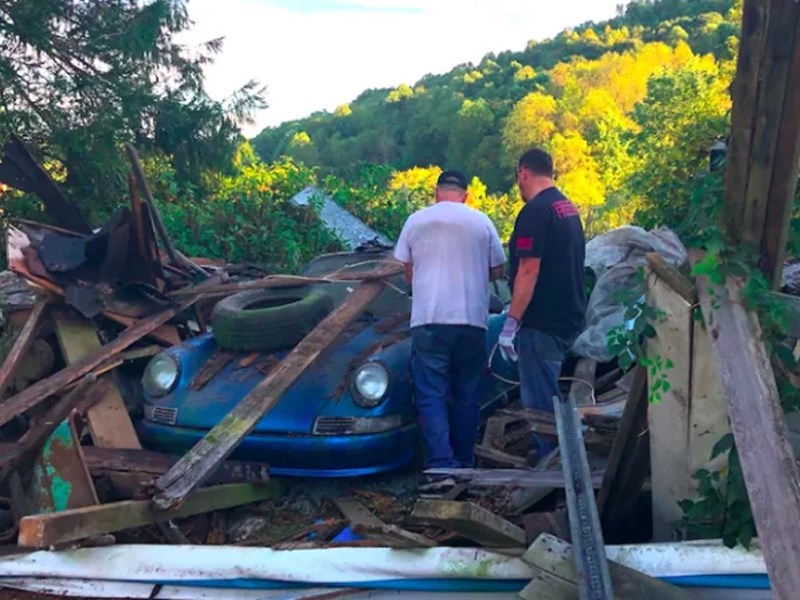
(524, 285)
(402, 250)
(497, 257)
(498, 272)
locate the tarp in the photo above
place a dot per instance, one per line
(434, 569)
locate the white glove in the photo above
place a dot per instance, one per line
(506, 340)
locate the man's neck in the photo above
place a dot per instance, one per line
(537, 189)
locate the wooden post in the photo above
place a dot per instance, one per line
(204, 459)
(42, 531)
(761, 175)
(759, 428)
(692, 415)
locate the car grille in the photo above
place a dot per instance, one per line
(162, 414)
(334, 426)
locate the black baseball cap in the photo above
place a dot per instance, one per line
(456, 178)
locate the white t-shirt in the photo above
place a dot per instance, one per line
(451, 247)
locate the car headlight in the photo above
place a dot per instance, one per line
(160, 375)
(370, 384)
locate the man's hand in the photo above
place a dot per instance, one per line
(506, 340)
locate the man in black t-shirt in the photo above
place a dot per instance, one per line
(548, 302)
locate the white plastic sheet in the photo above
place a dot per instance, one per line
(615, 257)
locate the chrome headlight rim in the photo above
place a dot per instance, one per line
(359, 397)
(160, 392)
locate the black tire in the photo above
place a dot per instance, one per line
(268, 320)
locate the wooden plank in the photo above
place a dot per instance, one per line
(759, 428)
(629, 463)
(769, 119)
(672, 277)
(516, 477)
(744, 90)
(392, 536)
(582, 386)
(501, 458)
(22, 343)
(42, 531)
(218, 360)
(109, 422)
(668, 419)
(785, 172)
(122, 460)
(43, 389)
(208, 453)
(355, 512)
(469, 520)
(554, 557)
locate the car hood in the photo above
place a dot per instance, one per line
(324, 388)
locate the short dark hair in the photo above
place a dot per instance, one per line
(537, 161)
(453, 178)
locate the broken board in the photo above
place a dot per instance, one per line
(469, 520)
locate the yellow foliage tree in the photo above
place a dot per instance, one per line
(531, 123)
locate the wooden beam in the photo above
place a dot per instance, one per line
(109, 422)
(43, 389)
(45, 530)
(629, 462)
(774, 74)
(469, 520)
(515, 477)
(501, 458)
(202, 460)
(759, 428)
(392, 536)
(744, 90)
(22, 343)
(785, 172)
(554, 557)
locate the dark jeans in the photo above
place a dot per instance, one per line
(448, 363)
(540, 359)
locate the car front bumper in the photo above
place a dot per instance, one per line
(302, 455)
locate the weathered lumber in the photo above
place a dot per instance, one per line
(355, 512)
(392, 536)
(772, 178)
(759, 428)
(743, 113)
(469, 520)
(582, 386)
(102, 461)
(218, 360)
(32, 440)
(554, 557)
(501, 458)
(109, 422)
(42, 531)
(629, 463)
(517, 477)
(785, 170)
(202, 460)
(41, 390)
(22, 343)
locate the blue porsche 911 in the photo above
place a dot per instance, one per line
(351, 413)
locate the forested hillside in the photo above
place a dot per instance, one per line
(627, 108)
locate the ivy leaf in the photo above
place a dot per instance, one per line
(722, 446)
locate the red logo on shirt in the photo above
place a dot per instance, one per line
(525, 243)
(564, 208)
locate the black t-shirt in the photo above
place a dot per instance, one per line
(549, 227)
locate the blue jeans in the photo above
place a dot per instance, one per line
(540, 359)
(448, 363)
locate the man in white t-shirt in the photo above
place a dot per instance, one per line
(451, 252)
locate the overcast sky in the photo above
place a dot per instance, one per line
(316, 54)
